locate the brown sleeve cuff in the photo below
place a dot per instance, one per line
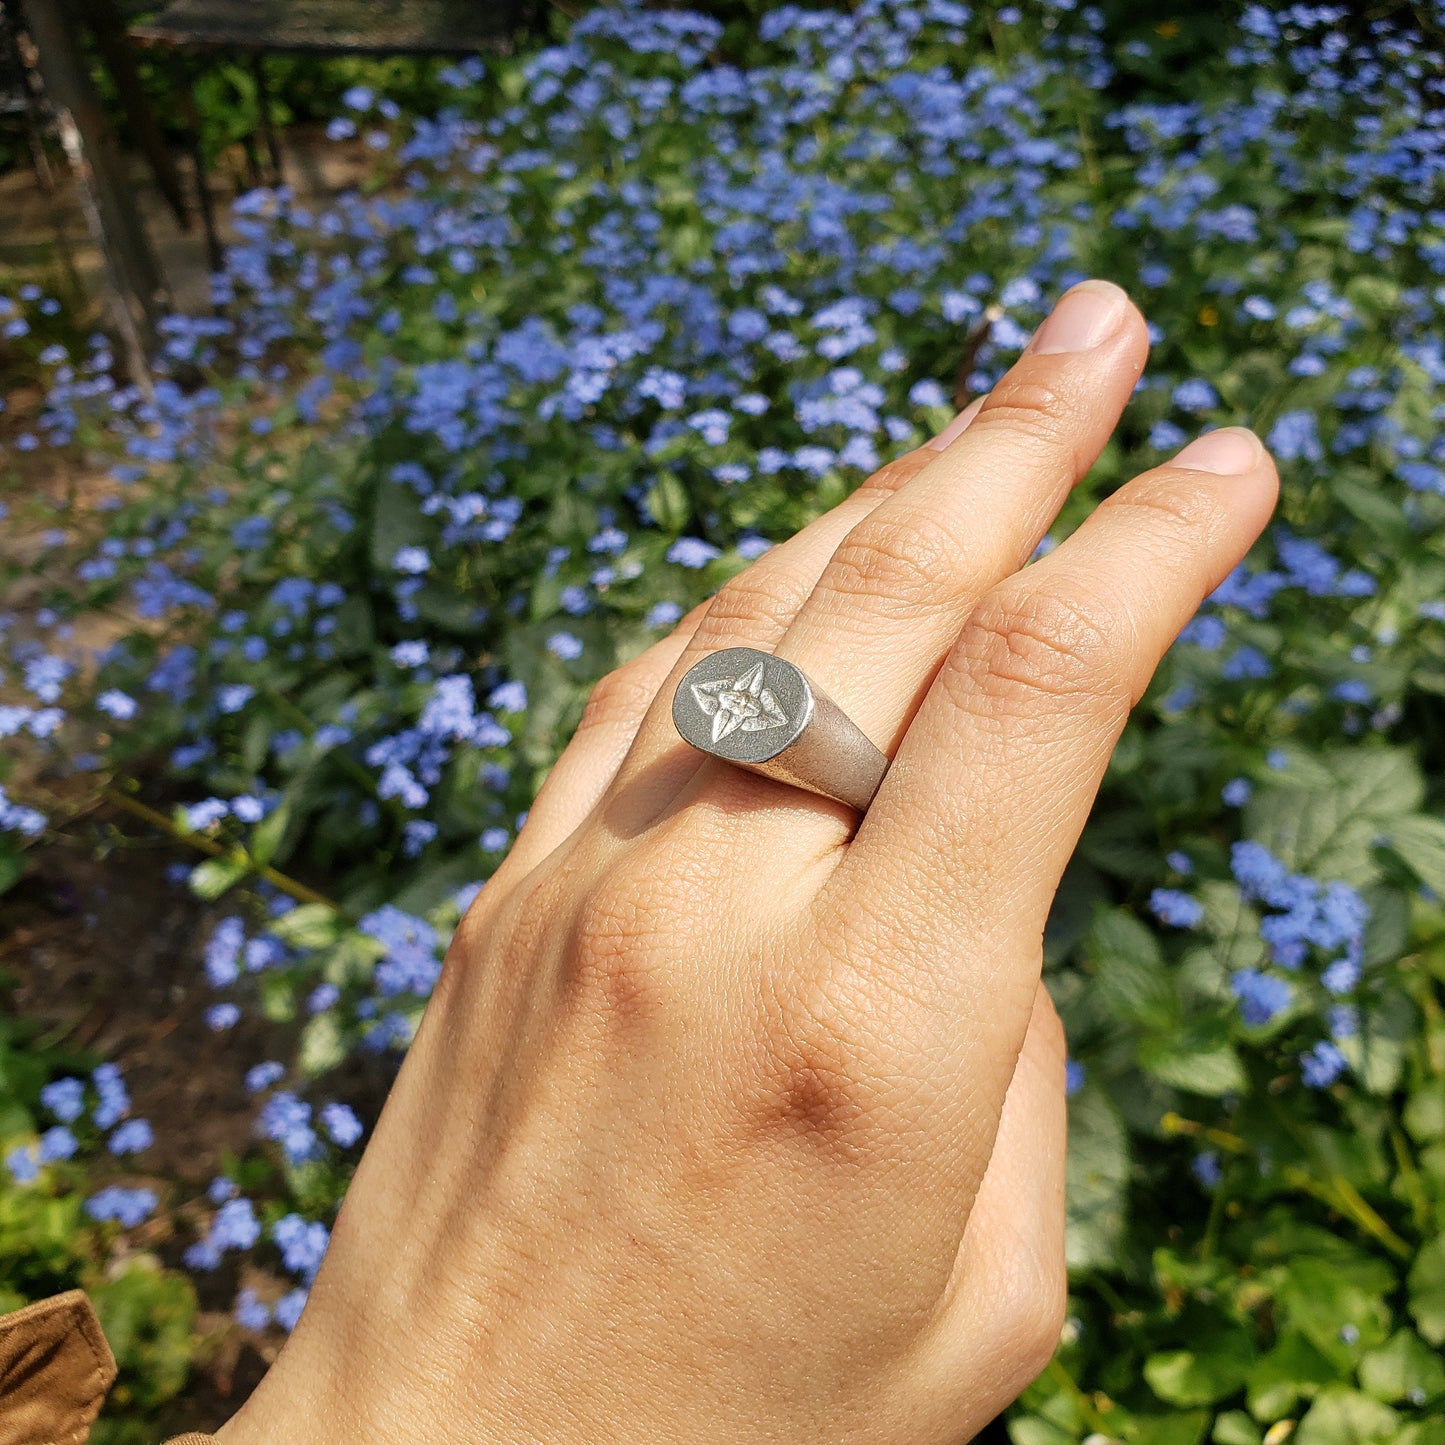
(55, 1368)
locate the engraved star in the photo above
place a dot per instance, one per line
(744, 704)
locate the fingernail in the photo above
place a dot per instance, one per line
(957, 426)
(1085, 315)
(1229, 452)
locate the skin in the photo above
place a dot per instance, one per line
(737, 1118)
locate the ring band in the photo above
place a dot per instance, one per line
(762, 713)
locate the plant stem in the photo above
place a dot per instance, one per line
(1336, 1192)
(290, 886)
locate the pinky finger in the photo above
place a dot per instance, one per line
(1001, 1319)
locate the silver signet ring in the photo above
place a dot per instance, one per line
(761, 712)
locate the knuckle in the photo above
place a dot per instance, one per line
(1168, 503)
(754, 603)
(1041, 643)
(1035, 414)
(622, 696)
(1031, 1308)
(892, 475)
(897, 562)
(616, 953)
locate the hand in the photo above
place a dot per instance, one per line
(733, 1117)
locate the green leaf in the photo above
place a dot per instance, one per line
(1098, 1174)
(1376, 1052)
(396, 523)
(1329, 831)
(1337, 1304)
(1424, 1115)
(213, 877)
(1426, 1283)
(1346, 1417)
(1420, 842)
(1181, 1428)
(1234, 1427)
(669, 503)
(266, 836)
(1197, 1058)
(12, 865)
(1379, 511)
(309, 926)
(1403, 1366)
(1129, 974)
(1202, 1377)
(323, 1045)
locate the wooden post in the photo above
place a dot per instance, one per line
(115, 50)
(138, 289)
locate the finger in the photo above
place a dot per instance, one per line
(1000, 1320)
(897, 589)
(590, 760)
(992, 784)
(754, 608)
(620, 701)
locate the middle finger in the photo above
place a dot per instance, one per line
(900, 585)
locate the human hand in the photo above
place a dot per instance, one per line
(736, 1118)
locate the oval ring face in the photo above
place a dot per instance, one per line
(742, 704)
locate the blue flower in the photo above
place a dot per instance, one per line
(1165, 436)
(1236, 792)
(565, 646)
(65, 1098)
(303, 1244)
(1352, 689)
(222, 1016)
(235, 1225)
(287, 1119)
(250, 1312)
(1179, 861)
(57, 1143)
(234, 696)
(692, 552)
(128, 1207)
(1074, 1076)
(1294, 437)
(223, 950)
(1341, 976)
(287, 1309)
(1178, 909)
(116, 704)
(23, 1162)
(1195, 395)
(1206, 1169)
(1322, 1065)
(262, 1076)
(114, 1101)
(133, 1136)
(341, 1123)
(1261, 996)
(662, 614)
(413, 561)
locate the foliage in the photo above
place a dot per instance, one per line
(59, 1231)
(630, 308)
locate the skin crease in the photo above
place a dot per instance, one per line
(737, 1118)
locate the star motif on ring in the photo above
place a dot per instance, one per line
(744, 703)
